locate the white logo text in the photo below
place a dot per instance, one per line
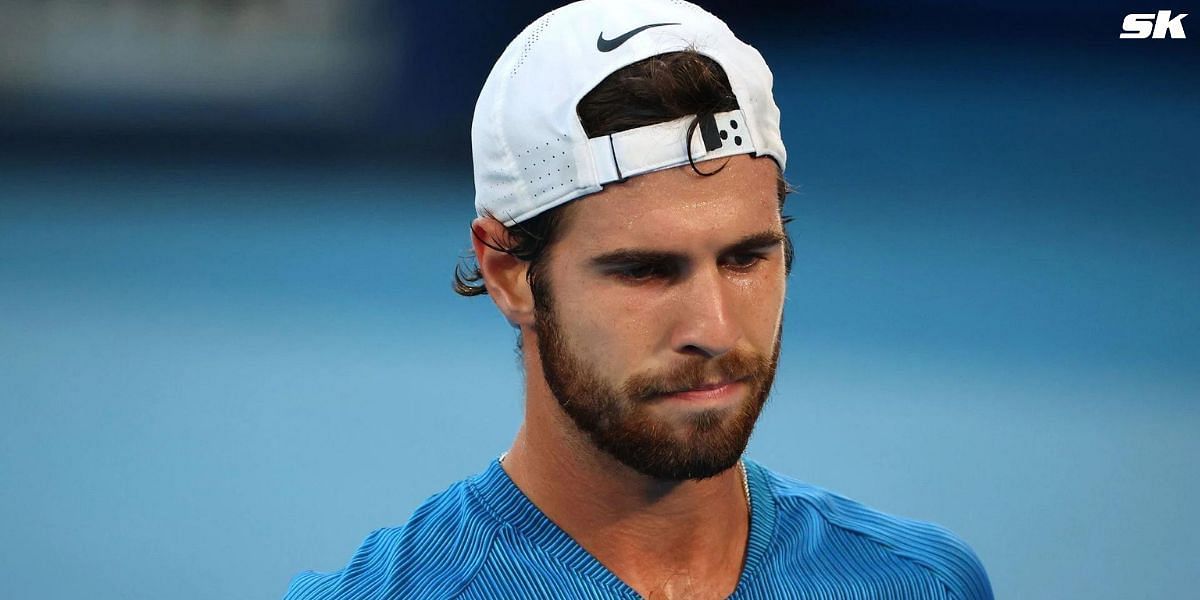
(1139, 26)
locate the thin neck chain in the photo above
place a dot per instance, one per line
(741, 468)
(745, 481)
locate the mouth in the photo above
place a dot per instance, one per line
(710, 394)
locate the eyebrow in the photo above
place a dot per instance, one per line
(755, 241)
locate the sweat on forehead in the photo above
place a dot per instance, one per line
(678, 207)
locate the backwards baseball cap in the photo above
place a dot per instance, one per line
(529, 148)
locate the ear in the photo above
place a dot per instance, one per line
(503, 273)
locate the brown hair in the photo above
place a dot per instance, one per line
(655, 90)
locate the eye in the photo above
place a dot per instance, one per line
(640, 272)
(744, 261)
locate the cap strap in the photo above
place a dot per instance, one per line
(625, 154)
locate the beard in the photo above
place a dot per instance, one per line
(620, 420)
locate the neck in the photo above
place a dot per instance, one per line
(674, 537)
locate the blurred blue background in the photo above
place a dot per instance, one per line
(229, 348)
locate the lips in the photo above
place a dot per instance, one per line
(706, 387)
(709, 395)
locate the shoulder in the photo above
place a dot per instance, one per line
(804, 509)
(433, 555)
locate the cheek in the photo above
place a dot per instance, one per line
(611, 327)
(761, 306)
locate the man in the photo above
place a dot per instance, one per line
(628, 171)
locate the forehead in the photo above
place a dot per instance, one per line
(678, 207)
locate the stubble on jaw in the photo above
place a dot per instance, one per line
(622, 420)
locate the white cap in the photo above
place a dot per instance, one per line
(530, 150)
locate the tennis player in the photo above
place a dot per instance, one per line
(629, 186)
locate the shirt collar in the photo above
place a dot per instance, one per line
(510, 506)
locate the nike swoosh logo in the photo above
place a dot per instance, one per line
(604, 45)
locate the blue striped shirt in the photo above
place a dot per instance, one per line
(482, 538)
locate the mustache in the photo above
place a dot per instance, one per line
(695, 372)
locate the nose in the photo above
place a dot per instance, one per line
(706, 323)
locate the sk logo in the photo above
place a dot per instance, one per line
(1140, 26)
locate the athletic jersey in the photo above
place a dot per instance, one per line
(482, 538)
